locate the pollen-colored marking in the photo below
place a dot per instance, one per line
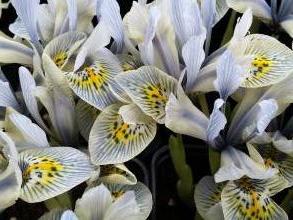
(92, 76)
(44, 168)
(155, 95)
(254, 204)
(127, 67)
(261, 66)
(60, 58)
(122, 132)
(108, 170)
(117, 194)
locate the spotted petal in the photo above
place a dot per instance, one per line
(149, 88)
(271, 61)
(114, 141)
(86, 116)
(249, 199)
(49, 172)
(207, 197)
(91, 83)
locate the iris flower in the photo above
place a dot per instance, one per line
(109, 202)
(272, 14)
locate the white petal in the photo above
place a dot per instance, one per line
(28, 86)
(259, 7)
(14, 52)
(98, 39)
(72, 14)
(49, 172)
(114, 141)
(207, 195)
(187, 19)
(69, 215)
(228, 75)
(94, 203)
(24, 133)
(86, 116)
(54, 214)
(7, 98)
(216, 124)
(27, 11)
(132, 114)
(288, 26)
(193, 55)
(184, 118)
(149, 88)
(243, 25)
(236, 164)
(110, 15)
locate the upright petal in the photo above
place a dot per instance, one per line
(114, 141)
(110, 15)
(186, 19)
(149, 88)
(7, 98)
(72, 14)
(27, 12)
(228, 75)
(49, 172)
(259, 7)
(193, 55)
(216, 124)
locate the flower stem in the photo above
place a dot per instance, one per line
(215, 160)
(185, 183)
(203, 104)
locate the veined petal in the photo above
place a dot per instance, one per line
(243, 25)
(114, 141)
(136, 22)
(72, 14)
(271, 61)
(274, 158)
(86, 116)
(117, 174)
(7, 98)
(18, 28)
(187, 19)
(193, 55)
(216, 124)
(252, 122)
(49, 172)
(287, 25)
(236, 164)
(143, 196)
(207, 196)
(132, 114)
(91, 83)
(149, 88)
(94, 203)
(125, 207)
(69, 215)
(10, 174)
(228, 75)
(14, 52)
(184, 118)
(61, 48)
(110, 15)
(259, 7)
(28, 86)
(248, 198)
(24, 133)
(27, 11)
(98, 39)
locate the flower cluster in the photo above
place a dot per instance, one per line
(91, 98)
